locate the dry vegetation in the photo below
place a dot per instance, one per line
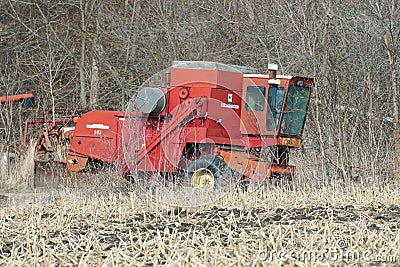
(104, 221)
(19, 173)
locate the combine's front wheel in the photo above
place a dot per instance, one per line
(206, 171)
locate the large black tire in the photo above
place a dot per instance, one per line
(219, 169)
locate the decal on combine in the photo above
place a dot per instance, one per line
(227, 105)
(97, 126)
(230, 98)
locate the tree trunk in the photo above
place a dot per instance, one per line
(396, 130)
(82, 79)
(94, 84)
(391, 48)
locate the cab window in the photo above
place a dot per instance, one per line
(276, 97)
(295, 110)
(255, 98)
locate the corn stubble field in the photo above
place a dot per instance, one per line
(102, 220)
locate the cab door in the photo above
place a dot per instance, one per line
(254, 106)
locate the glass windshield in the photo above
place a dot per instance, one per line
(275, 101)
(295, 110)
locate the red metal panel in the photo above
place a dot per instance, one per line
(162, 158)
(230, 80)
(181, 77)
(223, 116)
(256, 141)
(96, 136)
(217, 78)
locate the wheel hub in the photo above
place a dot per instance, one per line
(203, 178)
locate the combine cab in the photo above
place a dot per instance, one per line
(202, 123)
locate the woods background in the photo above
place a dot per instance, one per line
(83, 54)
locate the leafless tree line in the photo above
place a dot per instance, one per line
(93, 54)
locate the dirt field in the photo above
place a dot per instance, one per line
(112, 225)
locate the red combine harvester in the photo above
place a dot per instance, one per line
(205, 121)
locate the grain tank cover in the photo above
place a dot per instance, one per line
(150, 100)
(212, 66)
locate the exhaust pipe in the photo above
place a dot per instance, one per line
(272, 69)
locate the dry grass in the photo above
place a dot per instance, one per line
(333, 225)
(18, 174)
(102, 220)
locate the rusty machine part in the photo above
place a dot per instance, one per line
(52, 143)
(51, 148)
